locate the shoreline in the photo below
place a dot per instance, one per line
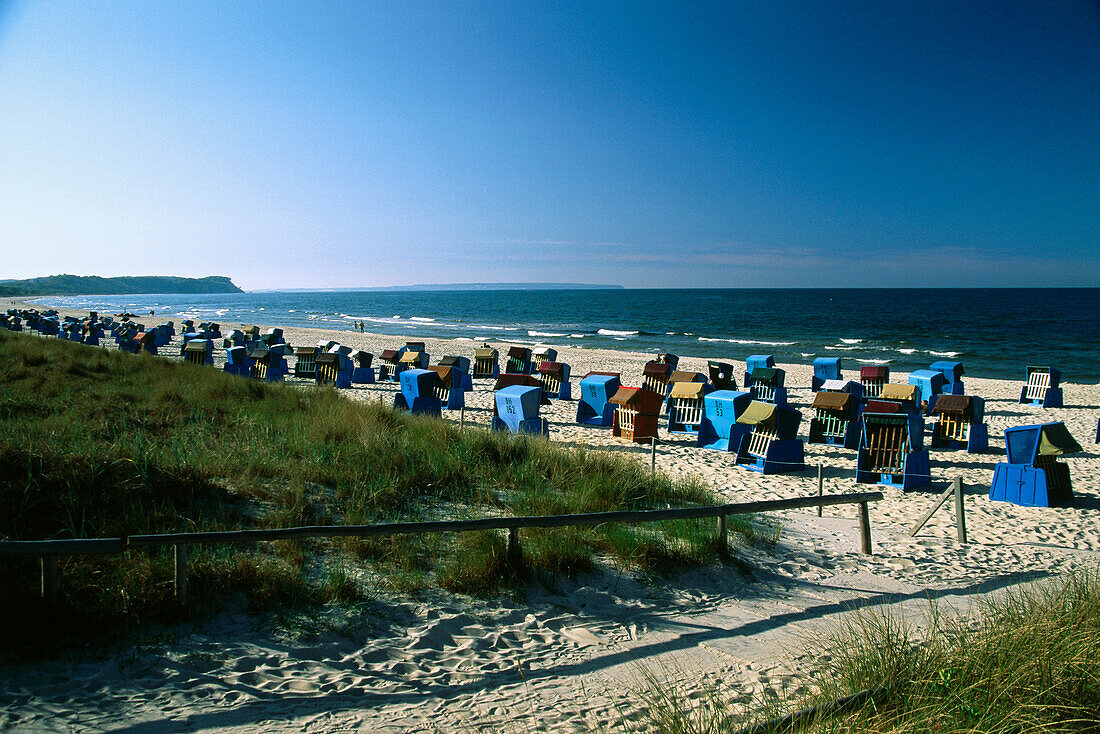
(588, 635)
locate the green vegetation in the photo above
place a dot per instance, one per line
(98, 443)
(1026, 664)
(79, 285)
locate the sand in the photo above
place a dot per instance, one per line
(568, 658)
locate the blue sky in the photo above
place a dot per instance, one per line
(645, 144)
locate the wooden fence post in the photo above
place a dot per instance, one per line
(723, 535)
(49, 579)
(514, 553)
(653, 455)
(960, 511)
(462, 418)
(820, 484)
(180, 556)
(864, 529)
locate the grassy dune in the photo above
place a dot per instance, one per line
(98, 443)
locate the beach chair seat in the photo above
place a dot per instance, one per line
(594, 408)
(891, 451)
(449, 387)
(960, 424)
(635, 416)
(873, 378)
(554, 377)
(517, 411)
(391, 366)
(485, 363)
(771, 445)
(333, 369)
(721, 375)
(419, 392)
(766, 385)
(1032, 476)
(685, 406)
(655, 377)
(199, 352)
(825, 368)
(305, 364)
(834, 420)
(518, 361)
(1042, 387)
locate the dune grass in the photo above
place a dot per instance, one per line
(1026, 662)
(98, 443)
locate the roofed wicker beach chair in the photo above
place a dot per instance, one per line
(418, 392)
(1043, 387)
(518, 361)
(721, 375)
(825, 368)
(1033, 476)
(486, 364)
(960, 424)
(594, 407)
(836, 414)
(635, 416)
(772, 445)
(891, 448)
(517, 411)
(873, 377)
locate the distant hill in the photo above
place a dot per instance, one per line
(93, 285)
(463, 287)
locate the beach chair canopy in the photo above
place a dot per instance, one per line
(449, 361)
(684, 376)
(952, 371)
(874, 372)
(693, 390)
(643, 401)
(763, 374)
(657, 369)
(1024, 443)
(361, 358)
(259, 354)
(954, 405)
(485, 353)
(835, 385)
(904, 393)
(519, 352)
(446, 374)
(758, 414)
(388, 355)
(410, 358)
(414, 346)
(605, 374)
(880, 407)
(832, 401)
(305, 351)
(552, 368)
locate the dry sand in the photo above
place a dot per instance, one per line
(566, 659)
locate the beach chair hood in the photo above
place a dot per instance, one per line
(832, 401)
(692, 390)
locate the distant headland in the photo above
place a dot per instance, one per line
(81, 285)
(457, 287)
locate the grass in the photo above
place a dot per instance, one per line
(1027, 663)
(98, 443)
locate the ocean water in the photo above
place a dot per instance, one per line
(993, 332)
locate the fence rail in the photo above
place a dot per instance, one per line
(49, 550)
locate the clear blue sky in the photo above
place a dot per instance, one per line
(646, 144)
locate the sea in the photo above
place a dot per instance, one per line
(995, 333)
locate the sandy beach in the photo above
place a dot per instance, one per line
(566, 658)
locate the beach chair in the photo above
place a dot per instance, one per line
(771, 445)
(516, 410)
(952, 376)
(930, 383)
(146, 342)
(685, 406)
(554, 377)
(542, 354)
(390, 369)
(891, 448)
(872, 378)
(766, 385)
(518, 361)
(655, 377)
(199, 352)
(361, 372)
(485, 363)
(594, 408)
(333, 370)
(449, 387)
(236, 361)
(1033, 476)
(681, 376)
(667, 358)
(264, 365)
(418, 392)
(635, 416)
(836, 414)
(719, 429)
(461, 365)
(507, 379)
(961, 424)
(419, 360)
(825, 368)
(721, 375)
(756, 360)
(305, 364)
(1042, 387)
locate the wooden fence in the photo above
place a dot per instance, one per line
(48, 551)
